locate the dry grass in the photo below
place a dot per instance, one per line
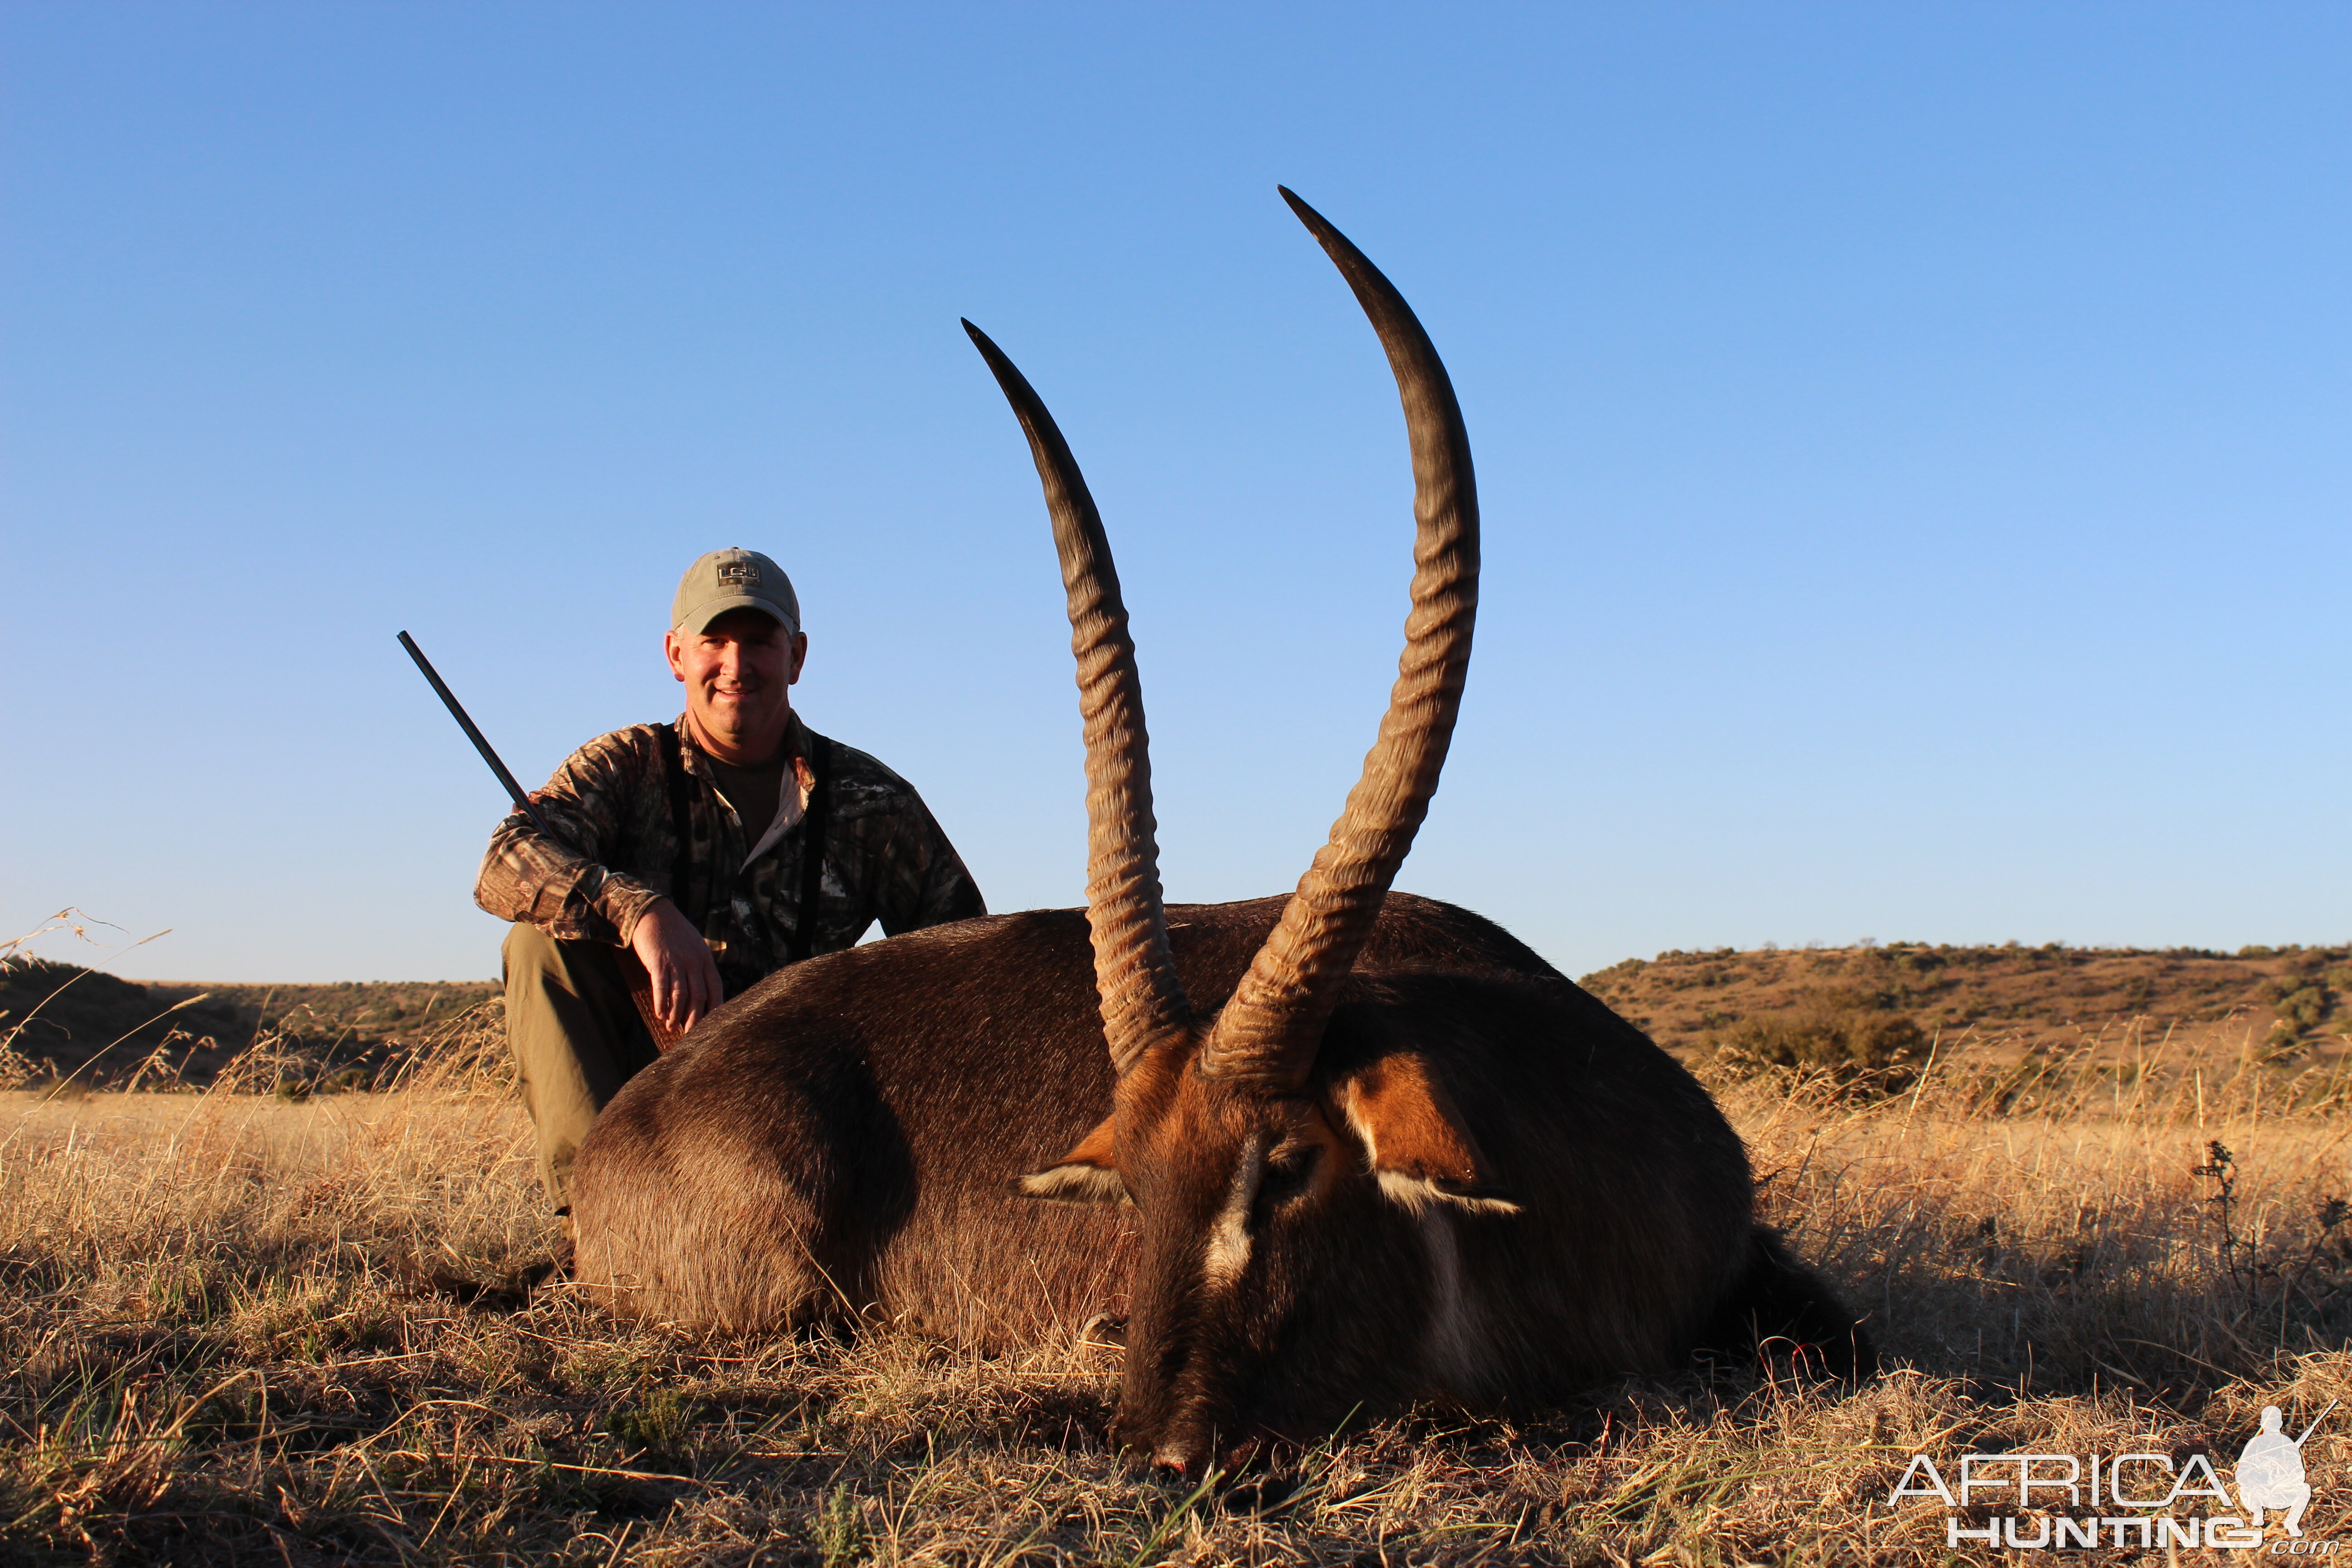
(213, 1352)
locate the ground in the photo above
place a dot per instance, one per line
(225, 1343)
(222, 1341)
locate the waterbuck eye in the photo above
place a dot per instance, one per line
(1287, 1173)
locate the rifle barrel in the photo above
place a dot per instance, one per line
(457, 711)
(2315, 1420)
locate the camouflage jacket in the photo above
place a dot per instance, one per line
(884, 858)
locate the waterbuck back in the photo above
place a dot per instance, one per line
(835, 1144)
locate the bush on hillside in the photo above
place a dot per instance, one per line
(1839, 1031)
(2301, 1003)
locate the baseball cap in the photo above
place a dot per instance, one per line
(728, 580)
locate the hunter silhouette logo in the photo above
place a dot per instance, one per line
(2150, 1499)
(2270, 1472)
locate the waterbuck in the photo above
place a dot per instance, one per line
(1328, 1154)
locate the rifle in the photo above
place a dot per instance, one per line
(2315, 1420)
(633, 970)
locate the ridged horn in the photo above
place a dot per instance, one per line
(1135, 977)
(1269, 1034)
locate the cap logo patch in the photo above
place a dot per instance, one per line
(739, 574)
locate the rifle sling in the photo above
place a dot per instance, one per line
(681, 821)
(813, 828)
(640, 984)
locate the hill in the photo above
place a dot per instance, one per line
(1811, 1005)
(60, 1020)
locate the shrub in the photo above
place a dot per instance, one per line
(2303, 1008)
(1839, 1030)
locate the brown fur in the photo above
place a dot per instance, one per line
(836, 1145)
(1596, 1223)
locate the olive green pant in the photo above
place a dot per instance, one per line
(576, 1039)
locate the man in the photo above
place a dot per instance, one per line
(715, 850)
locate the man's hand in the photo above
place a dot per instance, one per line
(685, 976)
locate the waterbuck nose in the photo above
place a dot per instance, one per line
(1180, 1464)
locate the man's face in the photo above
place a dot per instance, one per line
(739, 672)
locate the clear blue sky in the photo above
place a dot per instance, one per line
(1913, 442)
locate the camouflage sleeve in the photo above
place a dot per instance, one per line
(560, 883)
(927, 884)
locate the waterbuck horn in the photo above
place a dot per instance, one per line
(1142, 1002)
(1269, 1034)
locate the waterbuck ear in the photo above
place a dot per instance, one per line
(1086, 1175)
(1416, 1143)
